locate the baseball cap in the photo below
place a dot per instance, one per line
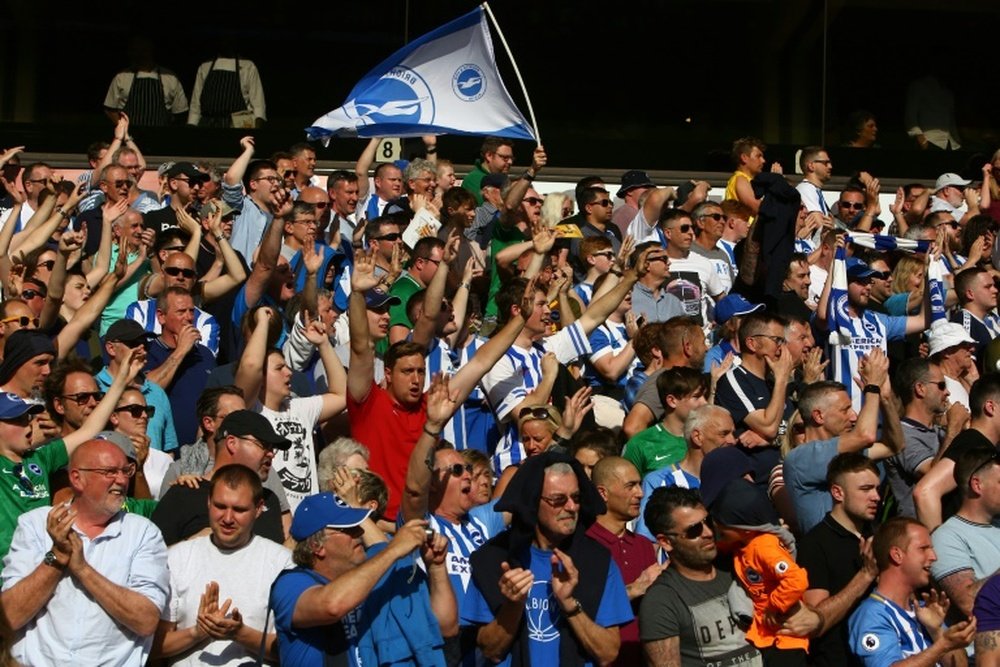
(127, 331)
(241, 423)
(947, 334)
(324, 510)
(376, 297)
(187, 169)
(632, 179)
(858, 270)
(121, 441)
(13, 406)
(733, 305)
(952, 179)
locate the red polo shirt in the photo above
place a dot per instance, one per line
(390, 431)
(633, 554)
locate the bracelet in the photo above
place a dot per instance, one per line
(576, 610)
(61, 211)
(220, 237)
(431, 150)
(616, 272)
(432, 434)
(872, 389)
(466, 286)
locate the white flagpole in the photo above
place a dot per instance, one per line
(503, 41)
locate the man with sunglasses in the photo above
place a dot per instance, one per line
(428, 254)
(122, 338)
(246, 438)
(183, 182)
(634, 183)
(692, 278)
(953, 195)
(87, 579)
(596, 208)
(15, 315)
(709, 223)
(921, 387)
(254, 188)
(817, 170)
(968, 543)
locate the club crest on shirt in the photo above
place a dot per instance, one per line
(870, 642)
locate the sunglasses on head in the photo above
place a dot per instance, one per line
(538, 412)
(23, 320)
(456, 469)
(175, 271)
(694, 531)
(137, 410)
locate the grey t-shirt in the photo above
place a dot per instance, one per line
(961, 544)
(698, 613)
(648, 396)
(921, 445)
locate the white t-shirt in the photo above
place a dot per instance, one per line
(296, 467)
(243, 575)
(155, 468)
(957, 391)
(694, 281)
(817, 276)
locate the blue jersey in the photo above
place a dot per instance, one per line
(672, 475)
(144, 312)
(880, 632)
(869, 331)
(609, 338)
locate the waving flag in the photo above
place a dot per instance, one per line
(445, 82)
(838, 320)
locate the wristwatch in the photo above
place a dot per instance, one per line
(575, 610)
(872, 389)
(51, 560)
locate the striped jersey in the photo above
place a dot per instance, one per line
(672, 475)
(515, 375)
(608, 338)
(144, 312)
(870, 330)
(880, 633)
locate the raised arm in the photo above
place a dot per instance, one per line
(191, 226)
(335, 398)
(363, 164)
(361, 370)
(96, 422)
(599, 309)
(426, 324)
(253, 361)
(767, 422)
(441, 406)
(234, 175)
(267, 259)
(235, 275)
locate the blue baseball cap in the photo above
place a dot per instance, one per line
(858, 270)
(13, 406)
(324, 510)
(376, 297)
(733, 305)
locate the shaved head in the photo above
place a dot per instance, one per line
(608, 469)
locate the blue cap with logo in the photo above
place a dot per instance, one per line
(324, 510)
(13, 406)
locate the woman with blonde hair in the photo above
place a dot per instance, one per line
(907, 286)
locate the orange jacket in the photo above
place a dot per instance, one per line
(775, 583)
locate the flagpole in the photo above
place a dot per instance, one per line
(503, 41)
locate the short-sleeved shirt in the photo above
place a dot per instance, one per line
(632, 554)
(183, 512)
(25, 485)
(869, 331)
(655, 307)
(390, 431)
(922, 444)
(654, 448)
(304, 647)
(188, 382)
(694, 281)
(968, 439)
(832, 555)
(987, 606)
(961, 544)
(981, 331)
(698, 614)
(160, 429)
(295, 467)
(404, 288)
(650, 397)
(880, 633)
(541, 610)
(805, 478)
(741, 392)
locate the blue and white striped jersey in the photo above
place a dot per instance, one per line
(869, 331)
(672, 475)
(880, 633)
(144, 312)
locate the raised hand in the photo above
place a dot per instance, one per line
(538, 159)
(345, 485)
(59, 525)
(8, 153)
(311, 259)
(624, 253)
(515, 583)
(813, 365)
(932, 613)
(315, 331)
(441, 401)
(435, 550)
(411, 535)
(565, 576)
(112, 211)
(71, 241)
(874, 368)
(363, 276)
(247, 144)
(543, 238)
(575, 410)
(550, 364)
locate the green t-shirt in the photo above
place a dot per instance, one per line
(654, 448)
(502, 238)
(25, 486)
(142, 506)
(404, 288)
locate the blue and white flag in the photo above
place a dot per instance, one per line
(936, 288)
(886, 243)
(837, 318)
(445, 82)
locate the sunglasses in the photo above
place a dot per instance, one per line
(694, 531)
(456, 469)
(537, 412)
(48, 264)
(940, 384)
(290, 173)
(601, 202)
(85, 396)
(30, 294)
(604, 253)
(175, 271)
(137, 410)
(852, 205)
(683, 229)
(714, 216)
(23, 320)
(560, 500)
(534, 201)
(120, 184)
(395, 236)
(320, 206)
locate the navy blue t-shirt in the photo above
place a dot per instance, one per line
(187, 385)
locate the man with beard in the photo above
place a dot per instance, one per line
(620, 487)
(544, 592)
(86, 581)
(245, 438)
(837, 554)
(184, 180)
